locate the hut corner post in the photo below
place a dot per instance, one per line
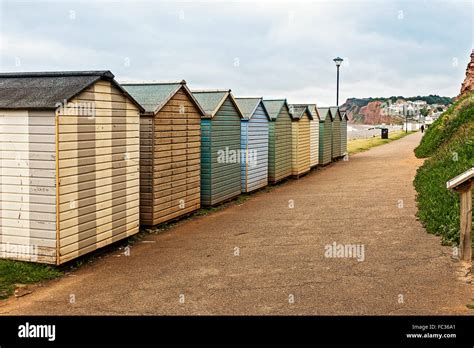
(58, 235)
(465, 236)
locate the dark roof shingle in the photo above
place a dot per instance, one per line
(44, 90)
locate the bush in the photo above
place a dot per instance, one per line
(443, 129)
(450, 142)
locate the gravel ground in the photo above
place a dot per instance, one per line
(263, 257)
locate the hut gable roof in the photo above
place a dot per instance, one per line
(344, 116)
(297, 111)
(324, 112)
(335, 112)
(313, 109)
(154, 95)
(44, 90)
(300, 109)
(212, 100)
(248, 106)
(274, 107)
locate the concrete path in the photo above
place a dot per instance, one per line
(281, 266)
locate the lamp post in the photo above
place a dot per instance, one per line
(338, 62)
(405, 110)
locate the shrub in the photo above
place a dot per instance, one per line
(450, 143)
(444, 128)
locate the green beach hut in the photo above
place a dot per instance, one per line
(279, 139)
(325, 136)
(336, 132)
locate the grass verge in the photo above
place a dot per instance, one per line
(18, 272)
(360, 145)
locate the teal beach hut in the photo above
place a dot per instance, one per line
(220, 146)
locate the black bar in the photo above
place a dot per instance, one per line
(136, 331)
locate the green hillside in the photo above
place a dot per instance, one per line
(449, 144)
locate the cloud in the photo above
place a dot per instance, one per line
(270, 49)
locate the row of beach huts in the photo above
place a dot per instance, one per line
(85, 160)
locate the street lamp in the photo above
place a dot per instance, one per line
(405, 110)
(338, 62)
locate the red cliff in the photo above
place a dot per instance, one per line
(373, 113)
(468, 84)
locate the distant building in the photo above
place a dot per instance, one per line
(411, 126)
(429, 120)
(420, 102)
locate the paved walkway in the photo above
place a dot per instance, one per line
(282, 268)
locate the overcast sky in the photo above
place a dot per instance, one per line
(270, 49)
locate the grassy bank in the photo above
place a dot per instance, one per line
(13, 273)
(449, 144)
(359, 145)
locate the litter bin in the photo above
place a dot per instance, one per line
(384, 133)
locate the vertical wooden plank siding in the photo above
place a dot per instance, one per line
(254, 146)
(336, 136)
(28, 185)
(294, 149)
(325, 141)
(221, 181)
(465, 231)
(271, 151)
(244, 129)
(225, 137)
(206, 161)
(344, 136)
(98, 171)
(314, 140)
(280, 147)
(177, 164)
(301, 145)
(146, 169)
